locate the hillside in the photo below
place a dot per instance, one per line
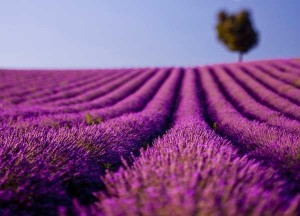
(211, 140)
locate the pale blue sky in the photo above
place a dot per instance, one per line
(136, 33)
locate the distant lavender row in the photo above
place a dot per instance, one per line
(44, 92)
(48, 87)
(284, 90)
(73, 92)
(264, 95)
(110, 95)
(287, 66)
(75, 84)
(288, 78)
(96, 93)
(133, 103)
(34, 85)
(248, 106)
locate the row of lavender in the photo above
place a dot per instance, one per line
(89, 95)
(53, 151)
(193, 171)
(75, 101)
(52, 156)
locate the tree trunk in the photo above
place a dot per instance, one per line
(240, 57)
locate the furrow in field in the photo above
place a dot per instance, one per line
(275, 147)
(286, 91)
(191, 171)
(248, 106)
(288, 78)
(295, 63)
(264, 95)
(287, 66)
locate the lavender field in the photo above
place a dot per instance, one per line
(212, 140)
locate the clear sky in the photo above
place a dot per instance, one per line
(136, 33)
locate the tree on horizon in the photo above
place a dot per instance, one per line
(236, 32)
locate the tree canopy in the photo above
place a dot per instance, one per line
(236, 31)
